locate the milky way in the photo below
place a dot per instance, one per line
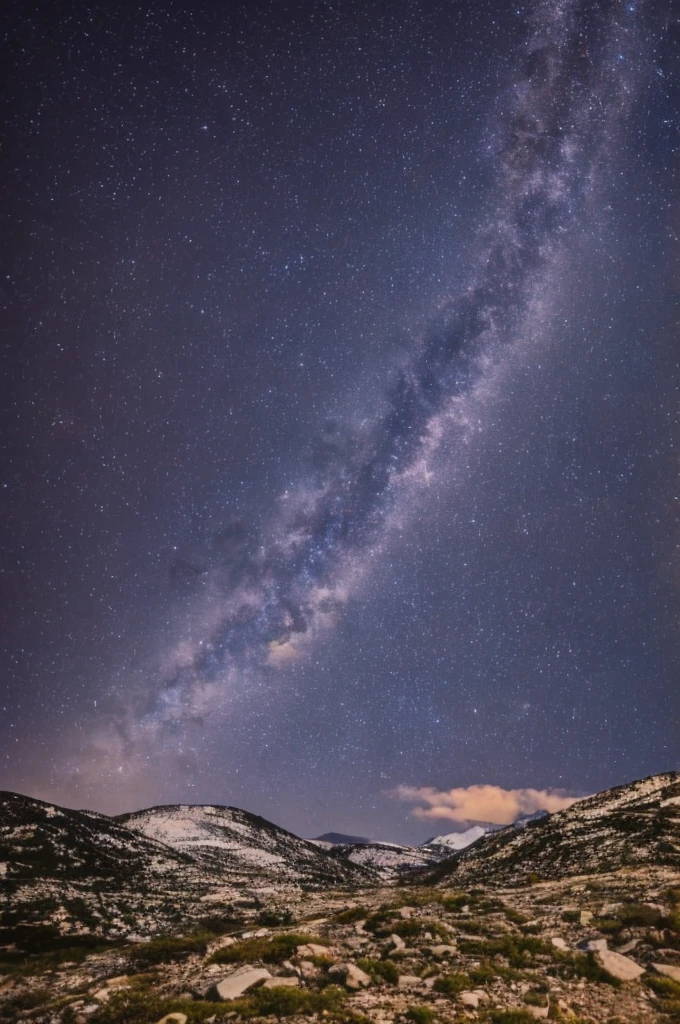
(575, 80)
(340, 456)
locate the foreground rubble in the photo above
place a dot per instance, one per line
(601, 948)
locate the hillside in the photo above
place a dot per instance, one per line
(634, 825)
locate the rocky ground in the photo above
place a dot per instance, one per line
(599, 948)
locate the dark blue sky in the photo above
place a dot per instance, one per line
(340, 441)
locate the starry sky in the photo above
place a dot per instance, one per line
(340, 433)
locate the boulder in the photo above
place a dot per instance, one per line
(470, 999)
(443, 951)
(558, 942)
(621, 967)
(585, 917)
(397, 942)
(409, 981)
(311, 949)
(667, 971)
(288, 982)
(353, 977)
(308, 970)
(238, 982)
(174, 1018)
(592, 945)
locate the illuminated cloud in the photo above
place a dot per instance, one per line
(482, 803)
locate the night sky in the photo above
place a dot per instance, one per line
(341, 424)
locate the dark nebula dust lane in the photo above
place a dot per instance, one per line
(340, 448)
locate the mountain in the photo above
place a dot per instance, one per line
(338, 839)
(443, 846)
(236, 843)
(81, 872)
(630, 826)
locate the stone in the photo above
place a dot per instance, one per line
(311, 949)
(592, 945)
(122, 981)
(409, 981)
(629, 946)
(621, 967)
(353, 977)
(558, 942)
(540, 1012)
(293, 982)
(355, 942)
(238, 982)
(483, 996)
(102, 995)
(174, 1018)
(585, 917)
(308, 970)
(470, 999)
(397, 942)
(406, 912)
(443, 951)
(667, 971)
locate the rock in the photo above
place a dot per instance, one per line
(443, 951)
(591, 945)
(397, 942)
(668, 971)
(122, 981)
(483, 996)
(585, 917)
(359, 927)
(353, 977)
(355, 942)
(621, 967)
(238, 982)
(409, 981)
(102, 995)
(311, 949)
(629, 946)
(470, 999)
(406, 912)
(558, 942)
(293, 982)
(538, 1011)
(308, 970)
(174, 1018)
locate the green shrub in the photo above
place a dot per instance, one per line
(512, 1017)
(351, 915)
(455, 901)
(535, 997)
(387, 970)
(451, 984)
(270, 950)
(275, 918)
(665, 988)
(168, 947)
(420, 1015)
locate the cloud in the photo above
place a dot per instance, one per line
(482, 803)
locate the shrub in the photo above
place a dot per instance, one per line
(275, 918)
(420, 1014)
(168, 947)
(455, 901)
(451, 984)
(269, 950)
(385, 969)
(351, 915)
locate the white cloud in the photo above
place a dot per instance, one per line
(482, 803)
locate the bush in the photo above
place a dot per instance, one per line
(451, 984)
(269, 950)
(455, 901)
(351, 915)
(168, 947)
(385, 969)
(420, 1014)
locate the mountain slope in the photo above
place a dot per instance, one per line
(229, 840)
(629, 826)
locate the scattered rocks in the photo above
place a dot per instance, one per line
(312, 949)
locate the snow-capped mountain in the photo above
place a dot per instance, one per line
(227, 839)
(443, 846)
(629, 826)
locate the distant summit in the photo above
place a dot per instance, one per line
(339, 839)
